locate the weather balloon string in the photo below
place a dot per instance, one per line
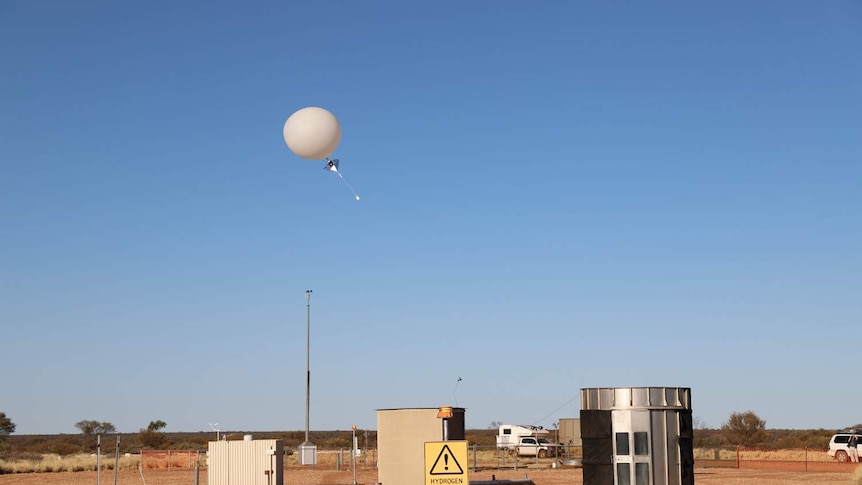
(332, 166)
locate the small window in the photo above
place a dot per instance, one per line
(529, 441)
(641, 443)
(622, 443)
(624, 474)
(507, 431)
(842, 439)
(641, 473)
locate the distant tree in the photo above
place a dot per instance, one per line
(7, 427)
(698, 423)
(93, 427)
(152, 437)
(495, 424)
(744, 429)
(157, 425)
(90, 428)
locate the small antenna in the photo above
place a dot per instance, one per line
(453, 391)
(215, 428)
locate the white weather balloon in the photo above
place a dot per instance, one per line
(312, 133)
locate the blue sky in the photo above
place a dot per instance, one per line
(555, 195)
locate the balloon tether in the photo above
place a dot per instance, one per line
(332, 166)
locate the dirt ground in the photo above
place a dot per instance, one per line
(305, 476)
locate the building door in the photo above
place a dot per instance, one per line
(632, 455)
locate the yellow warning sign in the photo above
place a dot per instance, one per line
(446, 463)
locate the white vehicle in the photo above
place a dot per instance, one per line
(838, 444)
(540, 447)
(509, 435)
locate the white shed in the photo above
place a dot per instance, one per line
(247, 462)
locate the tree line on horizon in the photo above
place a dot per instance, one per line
(745, 429)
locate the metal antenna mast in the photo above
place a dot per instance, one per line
(307, 450)
(307, 357)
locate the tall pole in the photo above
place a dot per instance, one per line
(353, 448)
(307, 357)
(307, 450)
(117, 460)
(98, 459)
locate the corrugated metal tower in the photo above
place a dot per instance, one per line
(637, 436)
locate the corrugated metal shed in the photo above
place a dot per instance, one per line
(253, 462)
(570, 431)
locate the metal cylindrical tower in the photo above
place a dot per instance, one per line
(637, 436)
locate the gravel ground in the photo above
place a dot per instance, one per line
(306, 476)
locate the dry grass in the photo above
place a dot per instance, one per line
(157, 459)
(792, 454)
(73, 463)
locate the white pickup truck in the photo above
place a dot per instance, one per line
(533, 446)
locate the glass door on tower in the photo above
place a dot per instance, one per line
(631, 448)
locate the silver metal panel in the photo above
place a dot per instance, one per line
(590, 399)
(641, 397)
(659, 447)
(673, 459)
(658, 396)
(622, 397)
(608, 399)
(307, 454)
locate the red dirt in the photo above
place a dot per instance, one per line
(311, 476)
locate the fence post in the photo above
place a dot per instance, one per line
(737, 457)
(117, 460)
(98, 459)
(474, 458)
(806, 458)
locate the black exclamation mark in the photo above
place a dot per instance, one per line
(446, 459)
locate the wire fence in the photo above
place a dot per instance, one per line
(489, 457)
(170, 459)
(788, 459)
(479, 457)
